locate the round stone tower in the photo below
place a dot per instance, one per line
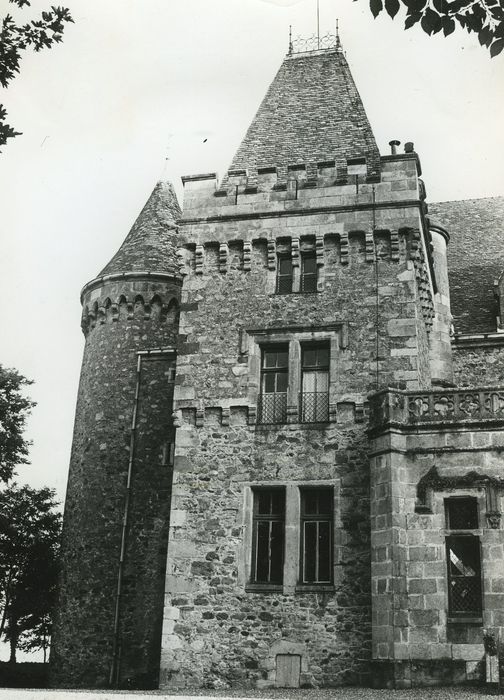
(108, 621)
(440, 340)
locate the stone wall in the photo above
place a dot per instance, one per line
(479, 364)
(120, 319)
(217, 633)
(374, 307)
(414, 468)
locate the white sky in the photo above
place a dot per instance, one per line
(129, 98)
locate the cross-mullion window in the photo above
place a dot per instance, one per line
(316, 535)
(268, 536)
(308, 272)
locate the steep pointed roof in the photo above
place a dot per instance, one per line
(150, 246)
(312, 112)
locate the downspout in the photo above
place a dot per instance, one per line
(116, 650)
(377, 305)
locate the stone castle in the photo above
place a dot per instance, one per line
(287, 459)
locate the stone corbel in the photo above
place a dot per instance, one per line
(271, 255)
(247, 255)
(199, 252)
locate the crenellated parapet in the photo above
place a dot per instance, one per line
(342, 181)
(125, 309)
(141, 296)
(190, 414)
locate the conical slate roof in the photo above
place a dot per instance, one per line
(312, 112)
(150, 246)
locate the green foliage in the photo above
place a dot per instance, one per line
(30, 528)
(15, 38)
(484, 17)
(14, 408)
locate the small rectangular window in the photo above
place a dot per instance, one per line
(268, 536)
(461, 513)
(314, 403)
(274, 381)
(464, 575)
(316, 535)
(284, 274)
(308, 272)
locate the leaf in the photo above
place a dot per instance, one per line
(414, 6)
(496, 47)
(431, 22)
(441, 6)
(392, 7)
(474, 23)
(485, 37)
(376, 7)
(448, 25)
(412, 20)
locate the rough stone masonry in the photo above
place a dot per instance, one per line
(275, 481)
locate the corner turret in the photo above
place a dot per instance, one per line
(119, 487)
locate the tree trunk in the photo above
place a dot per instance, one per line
(13, 638)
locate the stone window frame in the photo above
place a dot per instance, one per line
(438, 504)
(292, 538)
(296, 249)
(304, 519)
(254, 340)
(273, 518)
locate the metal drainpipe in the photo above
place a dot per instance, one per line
(377, 310)
(115, 667)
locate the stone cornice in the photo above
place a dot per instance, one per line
(277, 213)
(98, 281)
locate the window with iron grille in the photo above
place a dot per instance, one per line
(314, 399)
(274, 380)
(268, 536)
(463, 558)
(308, 272)
(284, 274)
(316, 535)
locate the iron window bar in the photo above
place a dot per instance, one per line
(314, 406)
(272, 408)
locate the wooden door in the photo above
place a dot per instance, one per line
(288, 669)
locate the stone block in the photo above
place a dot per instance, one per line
(424, 586)
(424, 618)
(468, 652)
(171, 642)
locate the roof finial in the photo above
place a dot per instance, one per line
(338, 42)
(290, 39)
(318, 25)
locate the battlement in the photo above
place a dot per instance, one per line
(340, 182)
(188, 414)
(107, 309)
